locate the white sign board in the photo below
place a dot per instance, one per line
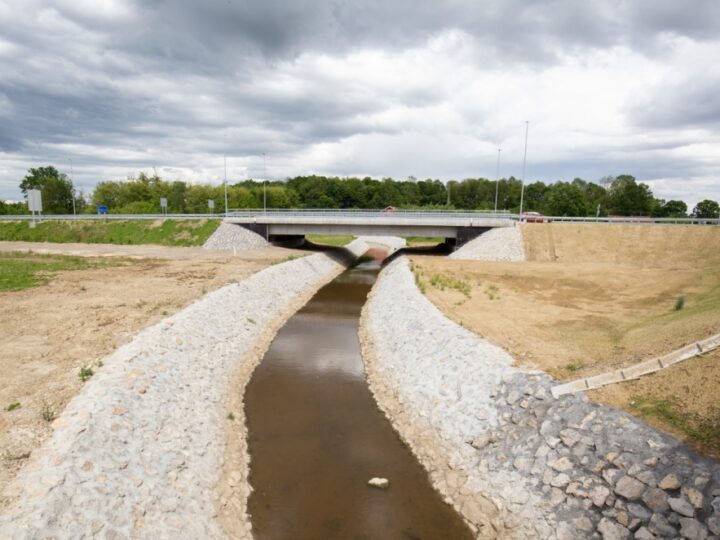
(34, 200)
(163, 202)
(211, 204)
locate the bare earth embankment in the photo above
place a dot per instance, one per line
(592, 298)
(48, 333)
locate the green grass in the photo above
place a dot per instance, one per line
(85, 373)
(423, 240)
(704, 431)
(330, 240)
(442, 282)
(170, 232)
(20, 271)
(13, 406)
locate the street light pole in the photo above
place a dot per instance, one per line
(72, 181)
(264, 185)
(225, 183)
(522, 188)
(497, 178)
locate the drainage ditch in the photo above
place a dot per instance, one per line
(316, 435)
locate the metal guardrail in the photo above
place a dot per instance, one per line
(375, 214)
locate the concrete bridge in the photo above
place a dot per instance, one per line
(456, 227)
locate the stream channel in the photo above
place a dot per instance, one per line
(316, 435)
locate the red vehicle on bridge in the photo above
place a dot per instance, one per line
(534, 217)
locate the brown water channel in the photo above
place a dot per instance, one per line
(316, 435)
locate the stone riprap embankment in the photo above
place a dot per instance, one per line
(139, 452)
(229, 237)
(516, 462)
(499, 244)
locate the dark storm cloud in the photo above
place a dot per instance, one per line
(152, 75)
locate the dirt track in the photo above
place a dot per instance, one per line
(48, 333)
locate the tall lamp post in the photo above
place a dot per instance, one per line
(72, 181)
(522, 188)
(264, 185)
(497, 178)
(225, 182)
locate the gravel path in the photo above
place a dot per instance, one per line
(143, 450)
(514, 461)
(499, 244)
(229, 237)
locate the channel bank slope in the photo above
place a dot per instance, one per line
(143, 450)
(514, 461)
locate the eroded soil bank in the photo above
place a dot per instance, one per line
(316, 435)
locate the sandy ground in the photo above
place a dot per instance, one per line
(48, 333)
(596, 297)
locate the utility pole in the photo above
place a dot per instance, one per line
(225, 183)
(522, 189)
(497, 178)
(264, 185)
(72, 181)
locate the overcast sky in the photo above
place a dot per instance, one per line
(380, 88)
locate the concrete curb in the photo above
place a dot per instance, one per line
(638, 370)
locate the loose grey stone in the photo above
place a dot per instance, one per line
(693, 529)
(561, 480)
(481, 441)
(629, 488)
(644, 534)
(656, 500)
(561, 465)
(694, 496)
(612, 531)
(599, 495)
(639, 511)
(611, 475)
(713, 524)
(682, 506)
(647, 478)
(670, 482)
(660, 526)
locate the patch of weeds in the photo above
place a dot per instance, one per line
(492, 292)
(251, 321)
(99, 363)
(83, 288)
(291, 257)
(47, 413)
(230, 416)
(442, 282)
(704, 430)
(13, 406)
(573, 367)
(9, 456)
(164, 312)
(85, 373)
(679, 303)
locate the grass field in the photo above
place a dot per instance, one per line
(20, 271)
(330, 240)
(171, 232)
(424, 240)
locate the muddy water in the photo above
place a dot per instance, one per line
(316, 435)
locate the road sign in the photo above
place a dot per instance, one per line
(102, 209)
(163, 202)
(34, 200)
(211, 204)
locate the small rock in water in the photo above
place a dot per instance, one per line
(381, 483)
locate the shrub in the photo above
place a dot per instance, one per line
(85, 373)
(679, 303)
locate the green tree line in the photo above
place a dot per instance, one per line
(622, 195)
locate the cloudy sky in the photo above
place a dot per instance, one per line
(399, 88)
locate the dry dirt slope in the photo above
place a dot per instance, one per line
(592, 297)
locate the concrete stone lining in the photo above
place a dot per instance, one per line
(638, 370)
(142, 451)
(513, 460)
